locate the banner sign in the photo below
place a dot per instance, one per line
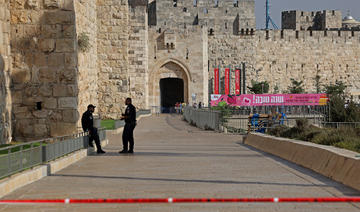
(237, 81)
(216, 81)
(270, 99)
(227, 81)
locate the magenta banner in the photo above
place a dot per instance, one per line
(270, 99)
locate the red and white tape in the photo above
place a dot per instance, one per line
(187, 200)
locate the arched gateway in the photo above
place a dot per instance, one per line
(168, 84)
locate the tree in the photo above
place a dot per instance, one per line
(296, 86)
(337, 89)
(259, 87)
(317, 83)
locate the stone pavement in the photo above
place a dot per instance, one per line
(173, 159)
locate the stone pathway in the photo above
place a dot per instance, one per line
(173, 159)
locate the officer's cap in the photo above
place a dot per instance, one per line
(91, 106)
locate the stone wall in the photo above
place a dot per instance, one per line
(224, 17)
(113, 62)
(5, 66)
(320, 20)
(44, 77)
(178, 54)
(138, 54)
(87, 64)
(278, 56)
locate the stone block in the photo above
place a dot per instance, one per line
(32, 4)
(70, 60)
(20, 76)
(61, 128)
(65, 90)
(59, 17)
(47, 45)
(71, 116)
(56, 60)
(47, 75)
(52, 4)
(67, 102)
(68, 31)
(67, 76)
(50, 103)
(41, 113)
(45, 90)
(65, 45)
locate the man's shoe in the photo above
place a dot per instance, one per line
(101, 152)
(123, 152)
(91, 145)
(131, 151)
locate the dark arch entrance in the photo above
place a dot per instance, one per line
(171, 91)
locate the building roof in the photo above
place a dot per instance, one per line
(350, 20)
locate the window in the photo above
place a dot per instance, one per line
(205, 11)
(216, 3)
(195, 3)
(175, 3)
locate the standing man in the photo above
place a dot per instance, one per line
(87, 122)
(130, 122)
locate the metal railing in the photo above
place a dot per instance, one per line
(338, 125)
(121, 123)
(204, 119)
(16, 158)
(19, 157)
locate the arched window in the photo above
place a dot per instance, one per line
(216, 3)
(195, 3)
(175, 3)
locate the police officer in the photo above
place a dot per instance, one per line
(87, 122)
(130, 122)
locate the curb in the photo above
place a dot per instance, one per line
(337, 164)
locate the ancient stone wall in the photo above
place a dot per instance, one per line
(319, 20)
(5, 66)
(87, 64)
(225, 17)
(113, 62)
(178, 54)
(44, 77)
(138, 54)
(278, 56)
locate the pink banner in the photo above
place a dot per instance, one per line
(227, 81)
(237, 81)
(216, 81)
(270, 99)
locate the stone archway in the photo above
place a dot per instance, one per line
(169, 70)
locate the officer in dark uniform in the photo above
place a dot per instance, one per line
(87, 122)
(130, 122)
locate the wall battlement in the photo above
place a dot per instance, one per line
(300, 35)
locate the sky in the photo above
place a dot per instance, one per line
(277, 6)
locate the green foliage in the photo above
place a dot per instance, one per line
(84, 42)
(259, 87)
(337, 89)
(338, 111)
(347, 138)
(317, 83)
(296, 87)
(224, 109)
(108, 124)
(276, 89)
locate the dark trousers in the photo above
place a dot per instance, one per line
(95, 136)
(128, 136)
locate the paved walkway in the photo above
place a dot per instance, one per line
(173, 159)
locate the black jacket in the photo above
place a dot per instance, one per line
(130, 114)
(87, 121)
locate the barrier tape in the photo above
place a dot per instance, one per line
(189, 200)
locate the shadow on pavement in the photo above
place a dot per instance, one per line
(188, 180)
